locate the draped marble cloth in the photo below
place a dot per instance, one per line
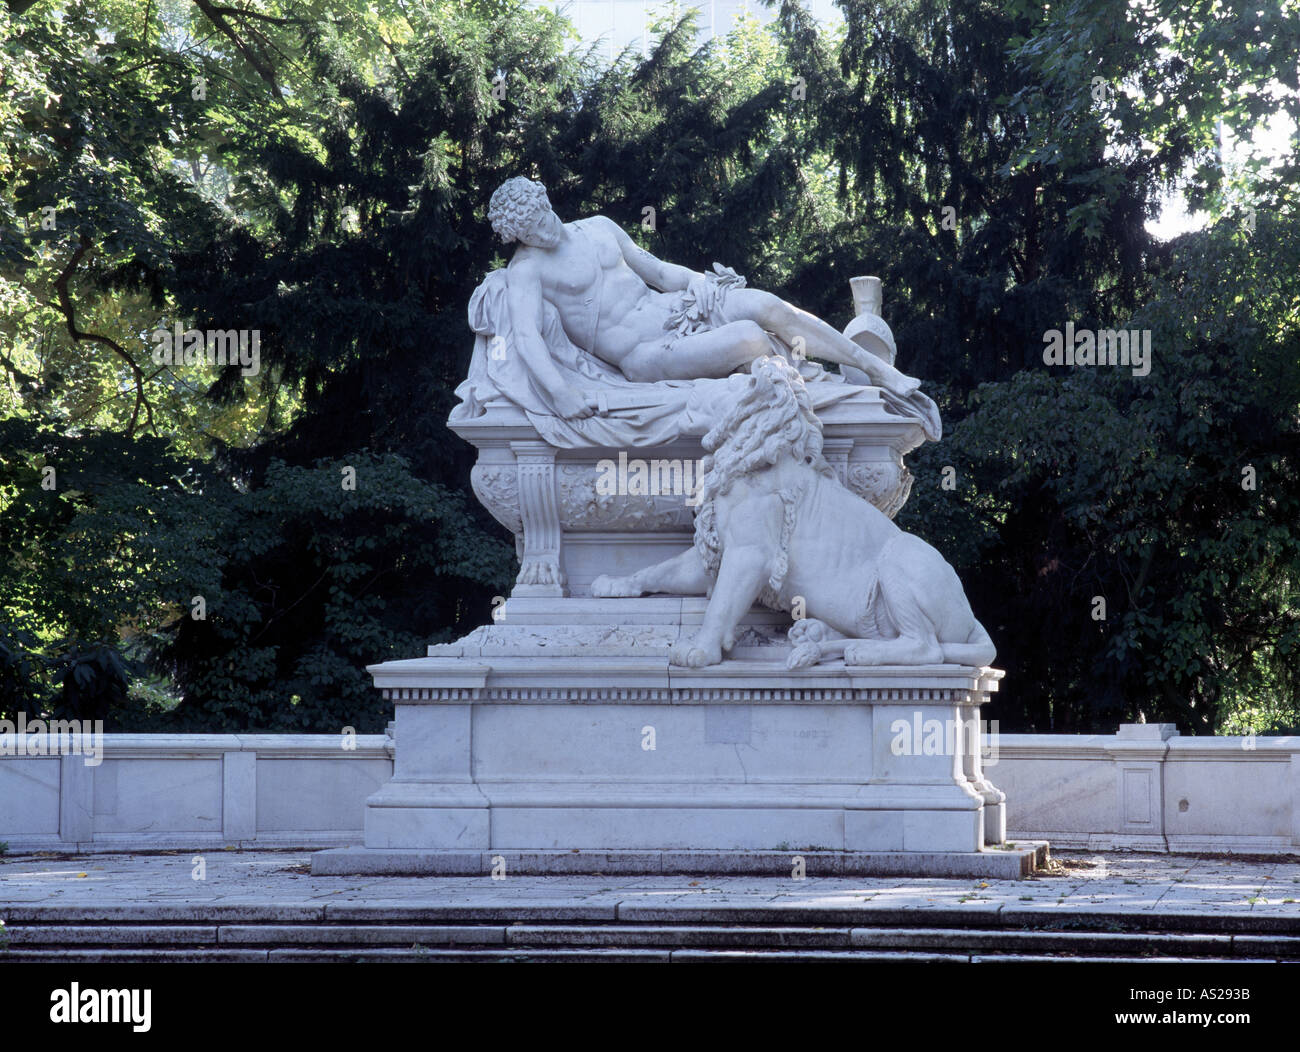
(633, 414)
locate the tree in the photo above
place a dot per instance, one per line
(318, 173)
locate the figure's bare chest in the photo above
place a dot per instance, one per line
(577, 267)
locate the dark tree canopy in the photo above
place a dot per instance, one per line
(183, 549)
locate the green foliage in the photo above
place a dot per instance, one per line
(319, 172)
(1102, 483)
(299, 581)
(320, 581)
(1155, 84)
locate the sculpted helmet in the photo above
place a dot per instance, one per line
(514, 205)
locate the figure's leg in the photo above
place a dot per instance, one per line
(683, 574)
(714, 353)
(811, 653)
(905, 650)
(977, 651)
(917, 642)
(740, 577)
(819, 339)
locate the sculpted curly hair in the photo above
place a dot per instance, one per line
(773, 419)
(514, 205)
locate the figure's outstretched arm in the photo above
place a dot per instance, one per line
(666, 277)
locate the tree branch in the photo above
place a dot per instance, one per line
(70, 320)
(16, 372)
(218, 19)
(246, 13)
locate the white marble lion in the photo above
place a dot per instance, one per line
(774, 524)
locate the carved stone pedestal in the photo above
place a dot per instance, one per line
(564, 731)
(562, 738)
(568, 527)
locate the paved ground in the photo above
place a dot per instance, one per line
(1259, 886)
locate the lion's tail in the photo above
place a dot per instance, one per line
(978, 650)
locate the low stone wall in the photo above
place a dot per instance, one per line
(1148, 789)
(190, 791)
(1141, 789)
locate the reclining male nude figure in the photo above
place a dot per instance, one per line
(603, 287)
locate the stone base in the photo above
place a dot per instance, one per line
(680, 815)
(1011, 862)
(563, 728)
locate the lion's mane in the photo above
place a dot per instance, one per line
(774, 418)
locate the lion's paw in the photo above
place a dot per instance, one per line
(689, 655)
(809, 630)
(803, 655)
(606, 587)
(539, 571)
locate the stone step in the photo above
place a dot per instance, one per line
(378, 955)
(117, 955)
(32, 942)
(972, 916)
(110, 935)
(1004, 862)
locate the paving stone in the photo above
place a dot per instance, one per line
(441, 956)
(811, 956)
(801, 912)
(384, 934)
(147, 911)
(109, 935)
(1042, 941)
(134, 956)
(1025, 958)
(1203, 920)
(630, 935)
(1265, 945)
(406, 912)
(1169, 893)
